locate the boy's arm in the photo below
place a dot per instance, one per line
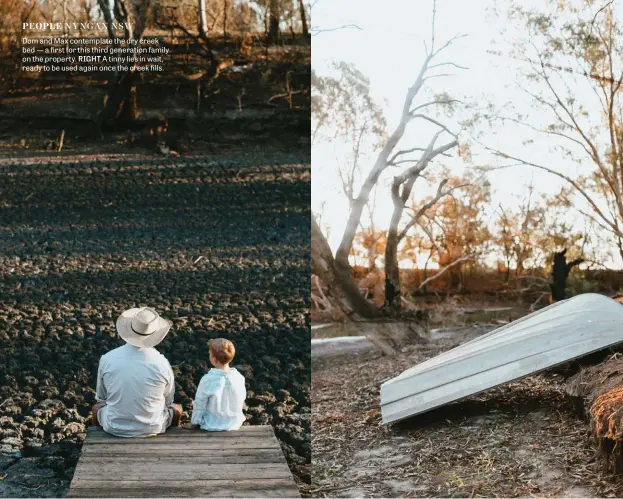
(200, 404)
(100, 390)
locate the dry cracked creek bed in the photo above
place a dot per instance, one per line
(218, 244)
(525, 439)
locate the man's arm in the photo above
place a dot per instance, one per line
(100, 390)
(169, 391)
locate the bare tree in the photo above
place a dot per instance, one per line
(120, 102)
(401, 192)
(560, 273)
(107, 9)
(505, 239)
(390, 156)
(202, 17)
(342, 289)
(529, 232)
(583, 48)
(274, 19)
(226, 7)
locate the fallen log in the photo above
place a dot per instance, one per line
(600, 388)
(391, 335)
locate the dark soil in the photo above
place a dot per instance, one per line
(218, 243)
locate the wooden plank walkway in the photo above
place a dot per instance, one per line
(184, 463)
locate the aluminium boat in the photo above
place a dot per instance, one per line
(553, 335)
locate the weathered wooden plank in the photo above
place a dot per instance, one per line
(225, 456)
(205, 461)
(205, 490)
(184, 463)
(244, 430)
(180, 471)
(241, 484)
(180, 439)
(119, 451)
(159, 445)
(169, 463)
(127, 466)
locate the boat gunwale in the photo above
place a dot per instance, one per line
(490, 342)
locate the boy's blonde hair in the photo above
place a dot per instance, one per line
(223, 350)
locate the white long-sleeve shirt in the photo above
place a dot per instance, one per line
(219, 400)
(137, 385)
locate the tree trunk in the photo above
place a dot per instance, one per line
(372, 253)
(390, 336)
(357, 206)
(303, 18)
(273, 22)
(380, 164)
(560, 273)
(342, 289)
(202, 18)
(428, 259)
(108, 17)
(455, 280)
(120, 104)
(392, 269)
(225, 8)
(599, 391)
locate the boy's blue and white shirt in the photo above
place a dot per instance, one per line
(219, 400)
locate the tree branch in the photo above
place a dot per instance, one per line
(435, 122)
(447, 64)
(422, 163)
(316, 30)
(447, 44)
(589, 142)
(431, 103)
(415, 220)
(574, 183)
(392, 160)
(444, 270)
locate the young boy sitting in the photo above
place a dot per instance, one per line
(221, 393)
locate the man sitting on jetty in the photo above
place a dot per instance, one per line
(135, 384)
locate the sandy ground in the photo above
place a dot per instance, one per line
(525, 439)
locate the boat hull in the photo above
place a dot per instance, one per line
(556, 334)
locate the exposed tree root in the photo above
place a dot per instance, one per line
(601, 389)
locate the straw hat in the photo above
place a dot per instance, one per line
(142, 327)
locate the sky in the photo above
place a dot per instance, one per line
(387, 47)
